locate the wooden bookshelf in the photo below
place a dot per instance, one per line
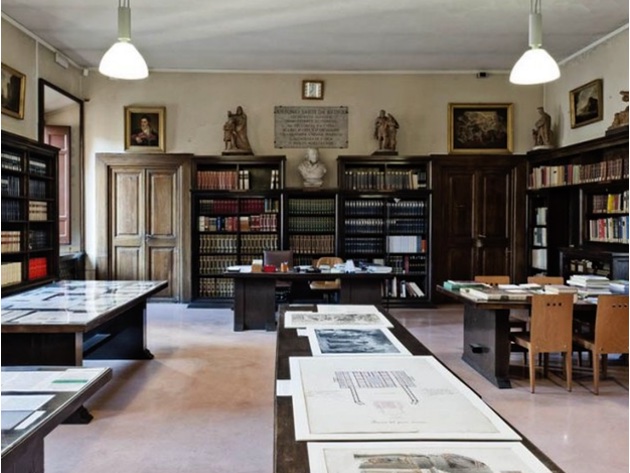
(30, 215)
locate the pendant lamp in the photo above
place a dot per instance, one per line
(536, 66)
(122, 60)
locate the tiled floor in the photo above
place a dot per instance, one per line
(205, 403)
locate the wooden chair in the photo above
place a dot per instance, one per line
(327, 287)
(610, 336)
(276, 258)
(551, 330)
(544, 280)
(515, 322)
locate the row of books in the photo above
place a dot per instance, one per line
(11, 273)
(258, 243)
(609, 230)
(314, 244)
(364, 225)
(39, 168)
(216, 287)
(37, 210)
(215, 264)
(378, 225)
(37, 268)
(231, 243)
(364, 208)
(406, 244)
(222, 180)
(244, 223)
(363, 245)
(11, 241)
(11, 210)
(311, 224)
(11, 162)
(406, 264)
(375, 179)
(407, 225)
(610, 203)
(37, 189)
(562, 175)
(587, 266)
(235, 206)
(11, 186)
(311, 206)
(400, 288)
(38, 239)
(407, 208)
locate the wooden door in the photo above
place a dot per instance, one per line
(59, 136)
(144, 225)
(478, 225)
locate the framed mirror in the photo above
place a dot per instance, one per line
(61, 125)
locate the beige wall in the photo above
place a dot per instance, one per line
(607, 61)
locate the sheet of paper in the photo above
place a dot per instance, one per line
(347, 309)
(354, 341)
(69, 380)
(23, 402)
(303, 319)
(283, 388)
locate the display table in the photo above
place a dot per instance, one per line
(487, 334)
(57, 393)
(63, 322)
(255, 299)
(290, 455)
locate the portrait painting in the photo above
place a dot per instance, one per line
(13, 91)
(480, 128)
(586, 103)
(145, 129)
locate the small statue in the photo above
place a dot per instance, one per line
(311, 169)
(621, 118)
(542, 133)
(385, 130)
(235, 132)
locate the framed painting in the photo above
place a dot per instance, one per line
(480, 128)
(587, 103)
(13, 91)
(145, 129)
(313, 89)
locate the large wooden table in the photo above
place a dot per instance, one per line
(290, 455)
(487, 334)
(255, 302)
(63, 322)
(23, 448)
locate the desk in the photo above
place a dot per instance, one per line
(23, 449)
(291, 456)
(63, 322)
(487, 334)
(255, 301)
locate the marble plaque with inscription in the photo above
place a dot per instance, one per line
(310, 127)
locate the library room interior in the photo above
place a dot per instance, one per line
(315, 237)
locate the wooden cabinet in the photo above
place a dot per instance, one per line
(236, 215)
(311, 224)
(478, 217)
(385, 217)
(30, 228)
(585, 189)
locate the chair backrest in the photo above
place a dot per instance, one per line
(544, 280)
(277, 257)
(611, 324)
(328, 261)
(551, 324)
(493, 280)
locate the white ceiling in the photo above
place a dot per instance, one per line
(319, 35)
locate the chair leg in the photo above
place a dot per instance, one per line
(568, 367)
(532, 370)
(596, 358)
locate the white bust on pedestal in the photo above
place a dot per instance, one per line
(311, 169)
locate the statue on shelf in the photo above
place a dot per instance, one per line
(385, 130)
(621, 118)
(542, 133)
(311, 169)
(235, 132)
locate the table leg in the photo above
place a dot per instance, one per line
(254, 304)
(51, 349)
(487, 343)
(361, 291)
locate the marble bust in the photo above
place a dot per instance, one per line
(311, 169)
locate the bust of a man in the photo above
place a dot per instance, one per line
(311, 169)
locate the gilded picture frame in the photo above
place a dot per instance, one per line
(13, 92)
(145, 129)
(480, 128)
(587, 103)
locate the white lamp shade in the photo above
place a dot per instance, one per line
(123, 61)
(536, 66)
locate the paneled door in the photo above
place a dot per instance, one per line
(145, 215)
(478, 217)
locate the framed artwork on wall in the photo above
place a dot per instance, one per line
(13, 91)
(313, 89)
(587, 103)
(480, 128)
(145, 129)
